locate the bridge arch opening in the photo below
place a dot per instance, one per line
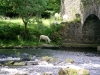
(91, 29)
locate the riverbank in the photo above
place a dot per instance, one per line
(50, 46)
(76, 45)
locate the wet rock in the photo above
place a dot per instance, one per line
(47, 73)
(69, 61)
(13, 56)
(2, 56)
(2, 63)
(98, 48)
(48, 59)
(83, 72)
(62, 72)
(10, 62)
(25, 57)
(73, 70)
(19, 64)
(32, 63)
(33, 58)
(13, 63)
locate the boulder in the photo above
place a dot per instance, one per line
(32, 63)
(19, 64)
(73, 70)
(25, 57)
(49, 59)
(69, 61)
(10, 62)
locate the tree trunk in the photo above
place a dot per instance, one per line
(25, 27)
(25, 30)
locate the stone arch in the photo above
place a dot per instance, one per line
(91, 29)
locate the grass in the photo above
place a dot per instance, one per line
(16, 20)
(11, 35)
(18, 43)
(46, 22)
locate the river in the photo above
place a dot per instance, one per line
(85, 58)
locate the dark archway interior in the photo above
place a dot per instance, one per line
(91, 29)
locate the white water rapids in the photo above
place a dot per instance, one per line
(88, 60)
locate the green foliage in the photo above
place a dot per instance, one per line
(54, 5)
(22, 7)
(77, 20)
(25, 9)
(35, 6)
(54, 30)
(12, 34)
(7, 32)
(51, 31)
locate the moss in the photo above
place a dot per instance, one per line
(71, 71)
(52, 60)
(69, 61)
(9, 63)
(63, 72)
(19, 64)
(46, 58)
(49, 59)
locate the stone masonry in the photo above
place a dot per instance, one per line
(84, 8)
(89, 12)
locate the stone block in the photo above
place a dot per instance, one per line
(98, 48)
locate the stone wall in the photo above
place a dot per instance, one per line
(70, 8)
(86, 31)
(82, 7)
(70, 32)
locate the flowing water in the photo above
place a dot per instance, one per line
(85, 58)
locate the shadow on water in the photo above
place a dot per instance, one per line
(44, 52)
(35, 52)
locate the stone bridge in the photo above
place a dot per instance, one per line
(85, 10)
